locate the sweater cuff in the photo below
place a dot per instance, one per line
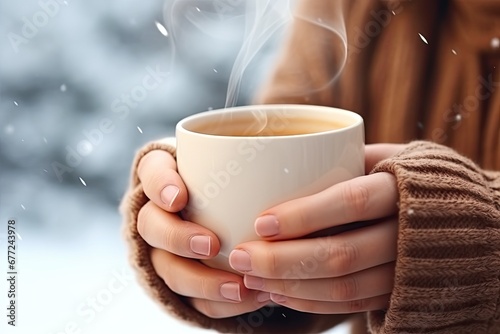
(266, 320)
(448, 262)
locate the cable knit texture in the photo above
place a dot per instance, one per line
(448, 264)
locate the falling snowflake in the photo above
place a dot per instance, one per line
(423, 38)
(63, 88)
(139, 129)
(495, 43)
(161, 28)
(454, 52)
(458, 118)
(46, 171)
(83, 182)
(198, 9)
(215, 71)
(393, 13)
(19, 236)
(23, 207)
(16, 104)
(410, 212)
(286, 170)
(45, 140)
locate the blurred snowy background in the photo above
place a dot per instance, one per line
(83, 85)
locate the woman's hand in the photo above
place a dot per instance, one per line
(179, 244)
(347, 272)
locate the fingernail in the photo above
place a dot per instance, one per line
(240, 260)
(253, 282)
(263, 297)
(278, 298)
(266, 226)
(169, 194)
(200, 244)
(231, 291)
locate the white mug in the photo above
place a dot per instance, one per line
(238, 162)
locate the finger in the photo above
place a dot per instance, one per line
(374, 153)
(319, 307)
(167, 231)
(162, 184)
(218, 310)
(368, 283)
(193, 279)
(332, 256)
(363, 198)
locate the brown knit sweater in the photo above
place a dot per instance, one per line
(445, 91)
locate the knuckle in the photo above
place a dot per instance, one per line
(142, 219)
(156, 235)
(152, 185)
(296, 213)
(168, 238)
(355, 198)
(206, 287)
(343, 258)
(269, 263)
(151, 178)
(355, 306)
(289, 286)
(345, 288)
(142, 165)
(162, 269)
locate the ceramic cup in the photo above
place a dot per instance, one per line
(238, 162)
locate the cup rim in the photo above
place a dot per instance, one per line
(181, 125)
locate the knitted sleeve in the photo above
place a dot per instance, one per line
(265, 320)
(448, 263)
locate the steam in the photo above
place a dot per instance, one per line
(260, 20)
(267, 17)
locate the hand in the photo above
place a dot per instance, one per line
(178, 245)
(347, 272)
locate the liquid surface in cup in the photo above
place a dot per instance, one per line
(267, 125)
